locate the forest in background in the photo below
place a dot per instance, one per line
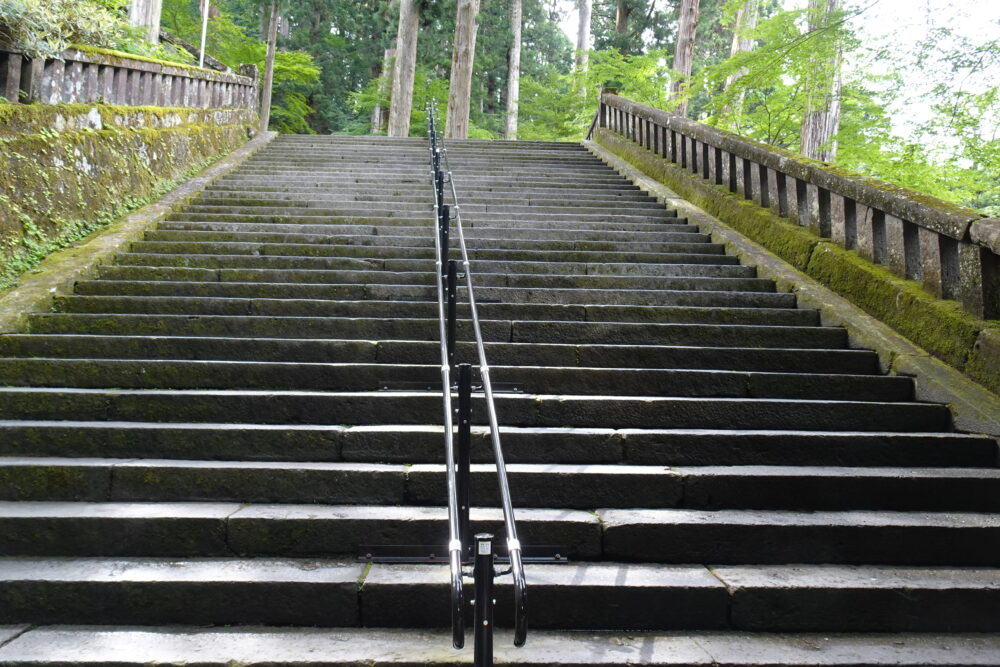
(799, 75)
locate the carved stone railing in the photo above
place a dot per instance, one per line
(952, 250)
(97, 76)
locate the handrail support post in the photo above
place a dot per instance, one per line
(484, 573)
(464, 451)
(452, 329)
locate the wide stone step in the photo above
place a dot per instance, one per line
(625, 192)
(550, 485)
(331, 247)
(178, 374)
(269, 235)
(422, 444)
(847, 361)
(604, 596)
(374, 216)
(131, 646)
(372, 257)
(422, 195)
(416, 301)
(678, 536)
(370, 223)
(412, 407)
(426, 329)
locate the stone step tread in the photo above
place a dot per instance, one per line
(401, 443)
(133, 590)
(550, 484)
(720, 537)
(128, 646)
(354, 376)
(395, 407)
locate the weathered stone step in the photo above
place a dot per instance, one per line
(223, 529)
(422, 444)
(559, 191)
(410, 407)
(384, 300)
(269, 235)
(335, 227)
(845, 361)
(126, 646)
(381, 300)
(520, 331)
(719, 537)
(778, 537)
(550, 485)
(215, 197)
(372, 257)
(576, 596)
(201, 374)
(373, 215)
(417, 174)
(673, 242)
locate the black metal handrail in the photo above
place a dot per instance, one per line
(455, 549)
(447, 278)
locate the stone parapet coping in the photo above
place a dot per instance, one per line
(974, 408)
(58, 273)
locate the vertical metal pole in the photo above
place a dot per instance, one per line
(452, 329)
(483, 573)
(464, 450)
(444, 223)
(439, 184)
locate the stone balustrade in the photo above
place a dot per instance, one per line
(952, 250)
(108, 77)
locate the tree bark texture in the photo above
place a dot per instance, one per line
(513, 70)
(272, 38)
(622, 11)
(582, 44)
(146, 14)
(821, 117)
(401, 103)
(463, 54)
(379, 118)
(746, 21)
(684, 53)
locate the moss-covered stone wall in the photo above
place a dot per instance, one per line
(68, 170)
(941, 327)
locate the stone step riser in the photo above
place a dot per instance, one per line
(325, 594)
(408, 445)
(553, 486)
(678, 224)
(177, 374)
(691, 536)
(671, 243)
(853, 362)
(389, 407)
(469, 205)
(425, 329)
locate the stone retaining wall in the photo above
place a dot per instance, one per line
(68, 170)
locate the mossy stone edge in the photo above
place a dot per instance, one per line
(893, 306)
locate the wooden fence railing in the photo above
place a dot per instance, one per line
(954, 251)
(100, 77)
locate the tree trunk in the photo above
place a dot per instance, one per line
(622, 11)
(582, 44)
(684, 52)
(513, 70)
(406, 63)
(284, 27)
(460, 87)
(378, 112)
(821, 118)
(146, 14)
(272, 38)
(746, 20)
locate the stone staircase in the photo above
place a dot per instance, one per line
(204, 434)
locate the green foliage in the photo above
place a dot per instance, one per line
(295, 72)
